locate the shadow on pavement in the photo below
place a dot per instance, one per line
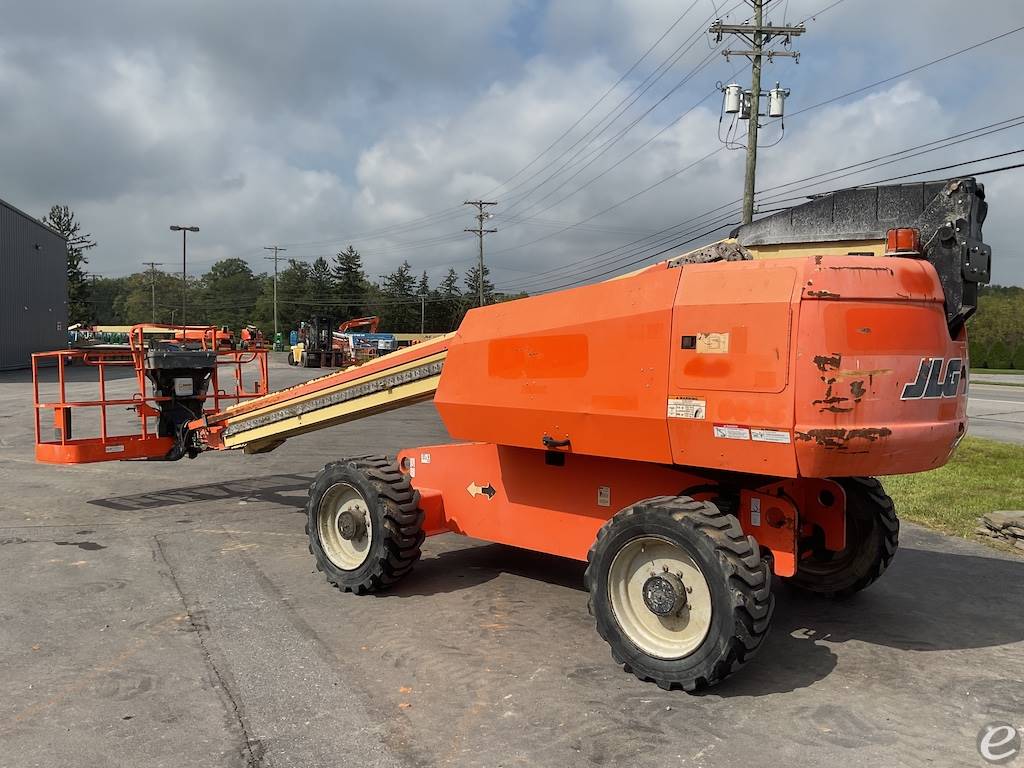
(272, 489)
(927, 601)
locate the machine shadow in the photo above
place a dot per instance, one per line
(451, 570)
(927, 601)
(280, 490)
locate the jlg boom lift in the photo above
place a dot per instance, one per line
(688, 430)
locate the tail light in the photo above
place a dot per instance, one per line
(903, 242)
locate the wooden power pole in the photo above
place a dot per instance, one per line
(277, 250)
(152, 282)
(758, 35)
(479, 231)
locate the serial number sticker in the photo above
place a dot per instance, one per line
(732, 432)
(687, 408)
(769, 435)
(113, 449)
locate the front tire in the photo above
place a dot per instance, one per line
(872, 537)
(364, 524)
(678, 592)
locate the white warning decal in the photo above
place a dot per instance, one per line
(769, 435)
(687, 408)
(755, 511)
(732, 432)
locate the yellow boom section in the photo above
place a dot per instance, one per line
(393, 381)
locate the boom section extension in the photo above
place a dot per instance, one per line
(393, 381)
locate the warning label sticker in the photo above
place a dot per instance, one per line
(769, 435)
(732, 432)
(687, 408)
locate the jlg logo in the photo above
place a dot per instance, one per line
(936, 378)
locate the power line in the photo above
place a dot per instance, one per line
(911, 71)
(802, 111)
(593, 106)
(618, 111)
(943, 144)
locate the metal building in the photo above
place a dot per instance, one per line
(33, 288)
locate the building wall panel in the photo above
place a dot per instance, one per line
(33, 288)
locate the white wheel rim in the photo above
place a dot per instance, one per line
(665, 637)
(341, 499)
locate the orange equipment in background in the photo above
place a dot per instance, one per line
(689, 430)
(372, 323)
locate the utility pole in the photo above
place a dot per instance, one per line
(481, 217)
(423, 312)
(276, 249)
(152, 282)
(758, 35)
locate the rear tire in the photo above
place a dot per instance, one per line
(872, 537)
(364, 524)
(678, 592)
(291, 358)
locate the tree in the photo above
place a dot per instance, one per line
(62, 219)
(399, 308)
(448, 310)
(473, 286)
(1018, 357)
(977, 352)
(999, 355)
(350, 282)
(292, 295)
(320, 299)
(229, 294)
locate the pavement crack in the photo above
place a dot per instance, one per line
(253, 749)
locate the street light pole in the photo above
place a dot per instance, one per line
(184, 272)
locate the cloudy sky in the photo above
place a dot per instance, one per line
(319, 123)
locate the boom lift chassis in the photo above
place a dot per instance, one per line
(689, 430)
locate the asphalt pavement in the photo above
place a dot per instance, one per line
(169, 614)
(996, 412)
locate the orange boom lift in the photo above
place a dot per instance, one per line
(688, 430)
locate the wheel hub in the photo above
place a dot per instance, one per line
(664, 594)
(352, 524)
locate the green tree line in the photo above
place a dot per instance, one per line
(231, 294)
(996, 332)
